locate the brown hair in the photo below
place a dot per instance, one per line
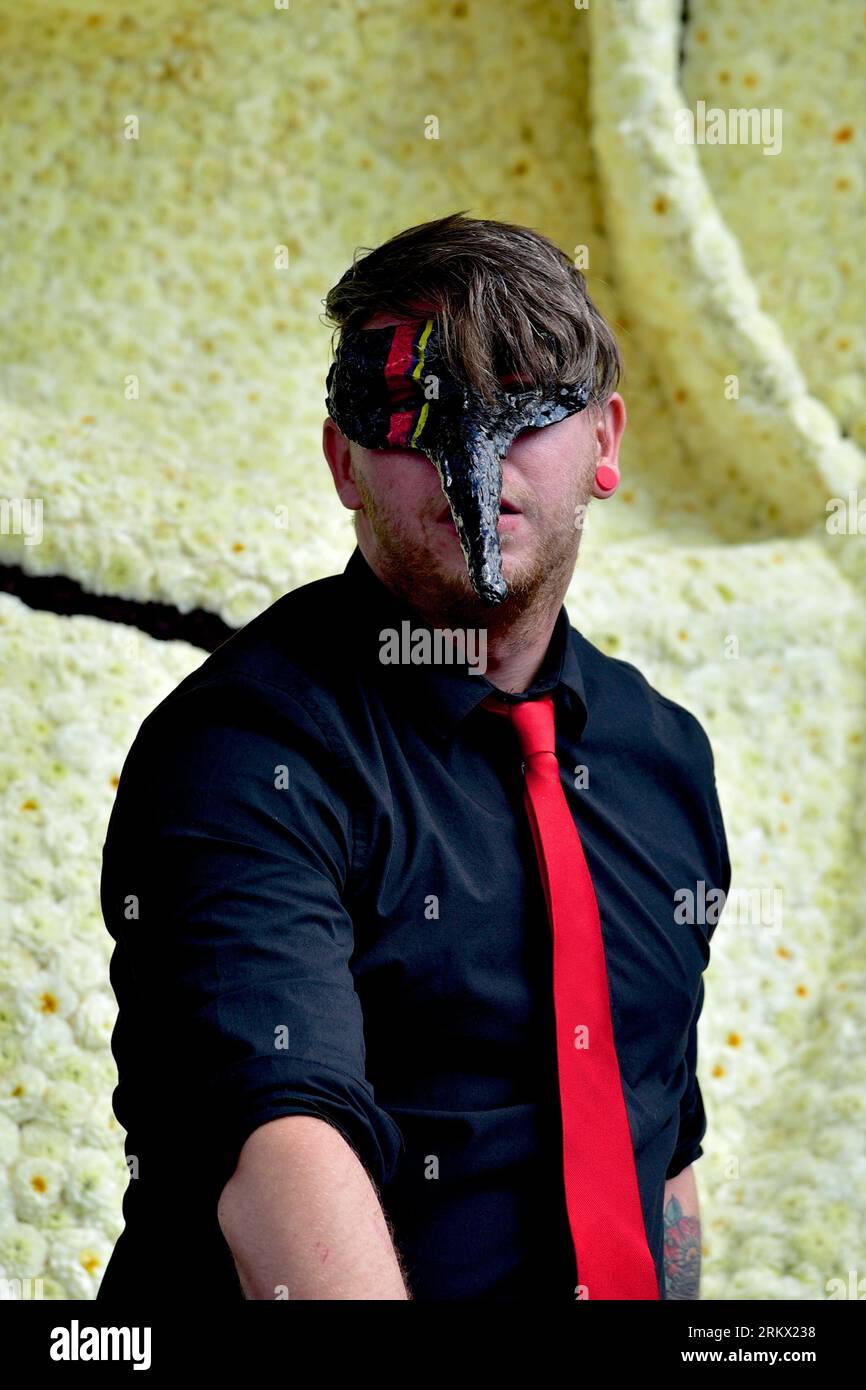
(508, 300)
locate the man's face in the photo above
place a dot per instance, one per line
(406, 532)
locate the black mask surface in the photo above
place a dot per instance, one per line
(390, 388)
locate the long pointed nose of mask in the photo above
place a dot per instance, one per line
(468, 451)
(471, 474)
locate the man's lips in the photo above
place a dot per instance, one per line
(506, 508)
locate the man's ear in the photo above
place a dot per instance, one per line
(609, 424)
(338, 452)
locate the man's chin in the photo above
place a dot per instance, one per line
(434, 579)
(458, 601)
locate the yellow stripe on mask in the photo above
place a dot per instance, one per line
(422, 344)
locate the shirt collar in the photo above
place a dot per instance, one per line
(444, 694)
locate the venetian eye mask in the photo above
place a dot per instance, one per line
(389, 388)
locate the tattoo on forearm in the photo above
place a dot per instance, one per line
(682, 1252)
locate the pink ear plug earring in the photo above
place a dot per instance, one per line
(606, 480)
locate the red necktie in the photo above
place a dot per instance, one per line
(601, 1188)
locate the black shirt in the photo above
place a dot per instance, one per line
(322, 886)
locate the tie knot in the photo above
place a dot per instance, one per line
(532, 720)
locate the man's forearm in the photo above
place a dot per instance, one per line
(682, 1228)
(302, 1219)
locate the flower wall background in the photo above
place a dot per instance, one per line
(181, 183)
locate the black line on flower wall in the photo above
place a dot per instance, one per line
(56, 594)
(685, 16)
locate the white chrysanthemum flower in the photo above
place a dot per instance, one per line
(37, 1184)
(85, 961)
(66, 1105)
(95, 1183)
(94, 1020)
(40, 921)
(44, 1004)
(23, 1087)
(51, 1039)
(87, 1070)
(47, 1140)
(10, 1140)
(845, 397)
(77, 1259)
(23, 1250)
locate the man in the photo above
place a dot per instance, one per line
(408, 1004)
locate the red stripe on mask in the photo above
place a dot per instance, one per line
(402, 360)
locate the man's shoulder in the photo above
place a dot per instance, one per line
(622, 690)
(293, 648)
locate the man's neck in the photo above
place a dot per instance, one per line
(516, 641)
(515, 657)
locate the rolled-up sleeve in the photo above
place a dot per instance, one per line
(224, 872)
(693, 1119)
